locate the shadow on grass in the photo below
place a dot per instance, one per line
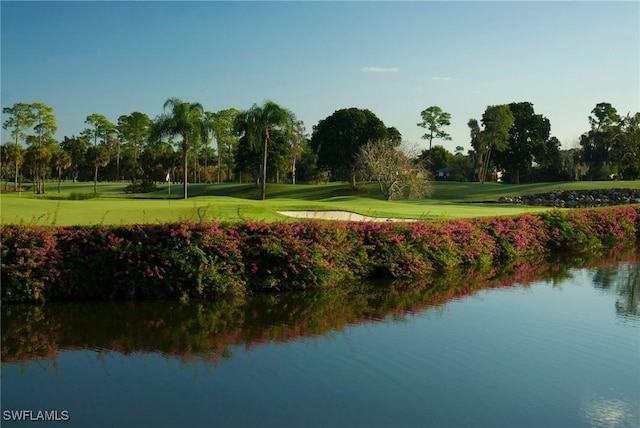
(308, 192)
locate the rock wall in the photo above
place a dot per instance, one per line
(577, 198)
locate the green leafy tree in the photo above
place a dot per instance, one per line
(433, 120)
(598, 142)
(226, 137)
(626, 148)
(260, 122)
(247, 159)
(13, 156)
(159, 158)
(183, 119)
(45, 127)
(478, 146)
(77, 148)
(437, 158)
(570, 165)
(21, 118)
(279, 162)
(134, 131)
(100, 128)
(463, 167)
(394, 135)
(299, 138)
(497, 122)
(37, 158)
(603, 116)
(338, 138)
(529, 141)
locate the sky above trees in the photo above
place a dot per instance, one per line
(314, 58)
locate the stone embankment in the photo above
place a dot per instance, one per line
(577, 198)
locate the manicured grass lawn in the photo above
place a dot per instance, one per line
(233, 202)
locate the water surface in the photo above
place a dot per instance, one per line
(540, 345)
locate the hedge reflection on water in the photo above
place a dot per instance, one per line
(209, 330)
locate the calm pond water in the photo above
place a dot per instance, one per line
(535, 345)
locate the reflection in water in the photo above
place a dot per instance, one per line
(550, 351)
(624, 280)
(608, 413)
(207, 331)
(627, 287)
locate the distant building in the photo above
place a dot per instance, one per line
(444, 173)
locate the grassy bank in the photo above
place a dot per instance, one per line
(238, 202)
(181, 260)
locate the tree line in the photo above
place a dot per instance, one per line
(267, 143)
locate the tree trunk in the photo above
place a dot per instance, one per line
(59, 179)
(353, 182)
(229, 165)
(185, 145)
(43, 177)
(293, 171)
(118, 166)
(95, 180)
(219, 163)
(264, 166)
(485, 165)
(15, 180)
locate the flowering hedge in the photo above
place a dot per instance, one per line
(179, 260)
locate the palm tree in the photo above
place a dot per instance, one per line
(260, 121)
(61, 162)
(98, 157)
(184, 119)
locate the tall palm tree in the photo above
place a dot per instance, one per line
(61, 161)
(260, 121)
(98, 157)
(184, 119)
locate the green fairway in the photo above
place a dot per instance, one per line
(233, 202)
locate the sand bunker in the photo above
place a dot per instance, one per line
(339, 215)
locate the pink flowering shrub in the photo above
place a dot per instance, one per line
(590, 230)
(29, 255)
(148, 261)
(519, 236)
(181, 260)
(287, 255)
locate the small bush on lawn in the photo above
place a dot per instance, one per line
(141, 187)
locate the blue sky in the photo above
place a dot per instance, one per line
(394, 58)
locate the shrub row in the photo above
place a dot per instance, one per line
(197, 260)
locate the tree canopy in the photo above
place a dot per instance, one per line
(338, 138)
(183, 119)
(529, 141)
(497, 122)
(258, 123)
(433, 120)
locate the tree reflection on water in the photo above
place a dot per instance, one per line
(209, 330)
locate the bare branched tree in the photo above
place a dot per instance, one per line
(395, 169)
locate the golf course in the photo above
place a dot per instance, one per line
(76, 203)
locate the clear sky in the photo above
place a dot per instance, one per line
(394, 58)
